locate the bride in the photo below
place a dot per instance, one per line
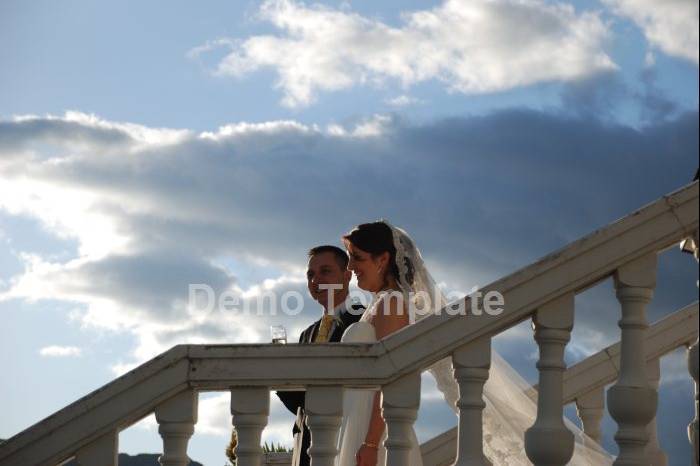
(385, 262)
(372, 256)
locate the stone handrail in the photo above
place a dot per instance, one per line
(165, 384)
(596, 371)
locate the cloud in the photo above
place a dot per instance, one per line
(238, 207)
(227, 193)
(656, 105)
(153, 210)
(403, 101)
(60, 351)
(674, 368)
(470, 46)
(602, 96)
(596, 97)
(671, 25)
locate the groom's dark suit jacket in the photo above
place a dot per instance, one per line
(294, 400)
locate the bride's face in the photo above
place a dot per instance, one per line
(368, 270)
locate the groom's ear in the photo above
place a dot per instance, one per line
(347, 275)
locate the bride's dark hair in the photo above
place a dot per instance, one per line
(375, 238)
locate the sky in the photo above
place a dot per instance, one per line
(145, 146)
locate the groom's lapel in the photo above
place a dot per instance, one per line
(337, 330)
(314, 330)
(309, 335)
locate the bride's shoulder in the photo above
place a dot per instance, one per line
(390, 314)
(359, 332)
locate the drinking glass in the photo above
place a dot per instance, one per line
(279, 334)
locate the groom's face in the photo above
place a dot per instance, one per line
(325, 269)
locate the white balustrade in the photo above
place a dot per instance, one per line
(654, 453)
(400, 402)
(471, 364)
(631, 401)
(589, 409)
(250, 407)
(101, 452)
(324, 411)
(176, 418)
(548, 441)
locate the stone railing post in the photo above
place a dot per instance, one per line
(400, 402)
(250, 407)
(471, 364)
(656, 455)
(691, 245)
(101, 452)
(548, 442)
(176, 419)
(631, 401)
(324, 411)
(589, 409)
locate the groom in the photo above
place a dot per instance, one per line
(328, 279)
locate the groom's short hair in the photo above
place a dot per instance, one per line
(340, 255)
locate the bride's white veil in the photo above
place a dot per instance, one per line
(511, 405)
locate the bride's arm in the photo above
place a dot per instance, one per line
(390, 317)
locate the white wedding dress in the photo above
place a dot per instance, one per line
(509, 410)
(357, 406)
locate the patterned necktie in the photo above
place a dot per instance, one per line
(324, 329)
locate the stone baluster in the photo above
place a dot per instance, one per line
(176, 419)
(693, 435)
(250, 407)
(324, 413)
(101, 452)
(589, 409)
(631, 401)
(654, 453)
(471, 364)
(548, 441)
(400, 402)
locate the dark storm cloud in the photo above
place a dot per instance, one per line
(482, 196)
